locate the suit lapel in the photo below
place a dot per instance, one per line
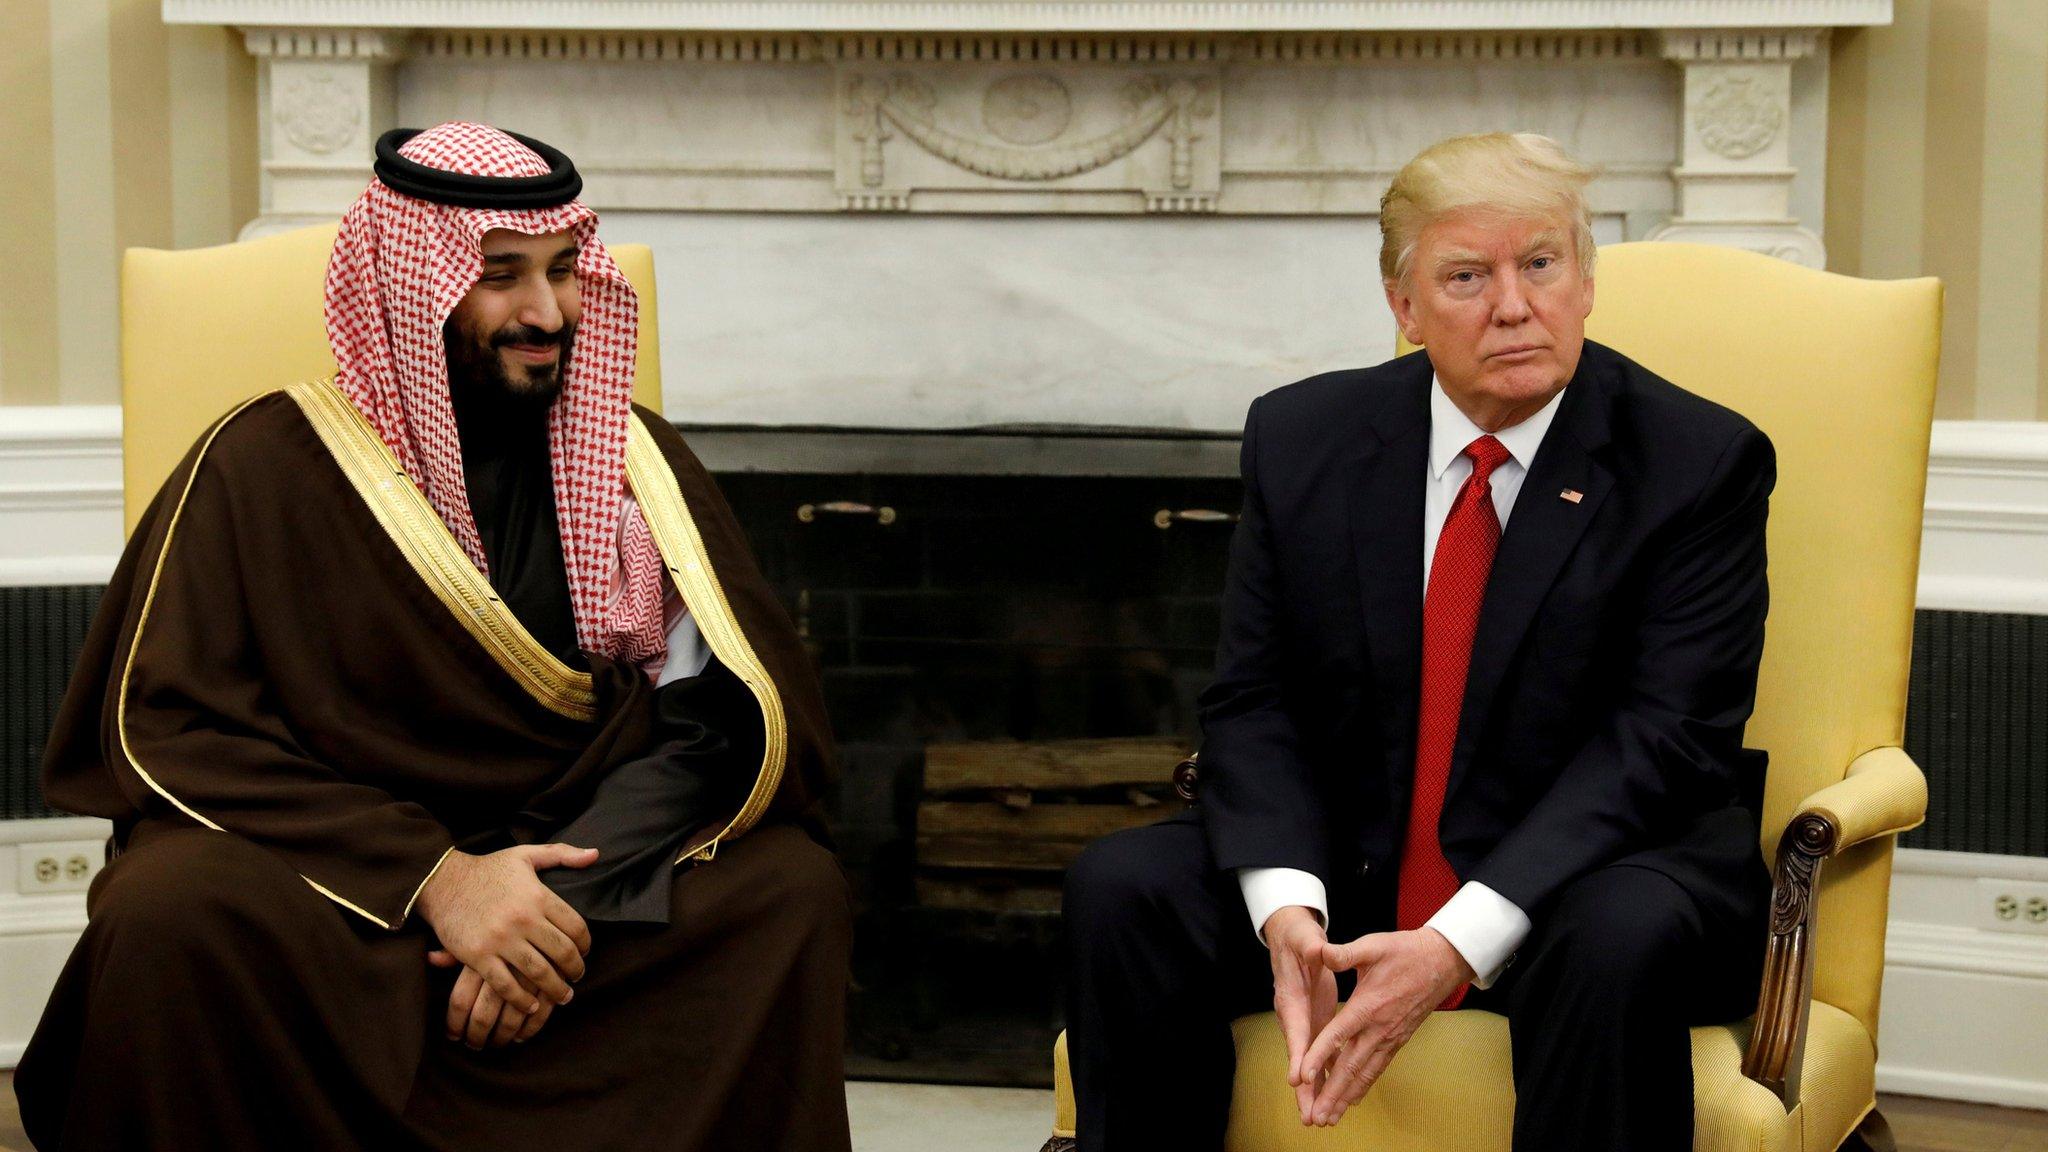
(1542, 531)
(1386, 532)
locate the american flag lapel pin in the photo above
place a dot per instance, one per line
(1571, 495)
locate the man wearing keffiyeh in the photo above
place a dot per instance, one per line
(463, 767)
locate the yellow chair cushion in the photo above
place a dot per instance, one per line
(1452, 1090)
(206, 328)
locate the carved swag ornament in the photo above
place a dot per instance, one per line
(1025, 118)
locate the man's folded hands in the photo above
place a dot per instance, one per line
(519, 945)
(1304, 993)
(1335, 1054)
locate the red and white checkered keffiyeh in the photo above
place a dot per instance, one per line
(400, 267)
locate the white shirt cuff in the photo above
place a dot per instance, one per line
(1268, 890)
(1485, 927)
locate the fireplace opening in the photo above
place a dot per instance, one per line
(1011, 664)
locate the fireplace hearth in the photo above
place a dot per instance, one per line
(947, 612)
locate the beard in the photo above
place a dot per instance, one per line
(476, 362)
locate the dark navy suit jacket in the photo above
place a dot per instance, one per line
(1613, 671)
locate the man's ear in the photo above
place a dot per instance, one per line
(1589, 299)
(1403, 307)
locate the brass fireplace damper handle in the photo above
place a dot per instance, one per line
(809, 513)
(1165, 517)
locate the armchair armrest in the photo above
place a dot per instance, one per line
(1883, 794)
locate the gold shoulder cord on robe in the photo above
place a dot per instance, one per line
(431, 549)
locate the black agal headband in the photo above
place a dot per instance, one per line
(558, 187)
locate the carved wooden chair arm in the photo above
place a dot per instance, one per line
(1883, 794)
(1187, 777)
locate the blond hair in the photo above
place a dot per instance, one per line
(1519, 175)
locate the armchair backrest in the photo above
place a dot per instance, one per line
(1840, 373)
(205, 328)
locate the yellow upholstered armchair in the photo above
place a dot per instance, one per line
(206, 328)
(1840, 373)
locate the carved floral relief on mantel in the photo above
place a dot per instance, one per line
(1741, 113)
(316, 113)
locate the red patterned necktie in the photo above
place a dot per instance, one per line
(1450, 617)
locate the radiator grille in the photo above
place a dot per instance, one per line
(1977, 723)
(41, 631)
(1976, 720)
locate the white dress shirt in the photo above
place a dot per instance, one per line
(1484, 926)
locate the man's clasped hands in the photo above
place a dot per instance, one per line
(1334, 1055)
(519, 945)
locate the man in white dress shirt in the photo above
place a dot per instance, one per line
(1490, 638)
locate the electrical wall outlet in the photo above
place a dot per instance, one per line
(2013, 905)
(57, 866)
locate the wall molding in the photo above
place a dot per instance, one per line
(1962, 1002)
(37, 932)
(1984, 543)
(60, 494)
(1042, 48)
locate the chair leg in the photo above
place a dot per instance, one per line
(1873, 1135)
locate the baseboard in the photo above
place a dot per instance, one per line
(1965, 1010)
(32, 952)
(1972, 1087)
(37, 930)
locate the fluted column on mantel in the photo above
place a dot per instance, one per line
(324, 96)
(1735, 171)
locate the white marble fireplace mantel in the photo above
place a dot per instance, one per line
(933, 213)
(1034, 15)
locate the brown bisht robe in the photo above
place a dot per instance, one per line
(299, 695)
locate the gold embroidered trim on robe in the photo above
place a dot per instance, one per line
(432, 552)
(689, 565)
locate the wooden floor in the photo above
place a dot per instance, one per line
(11, 1139)
(1921, 1125)
(1946, 1126)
